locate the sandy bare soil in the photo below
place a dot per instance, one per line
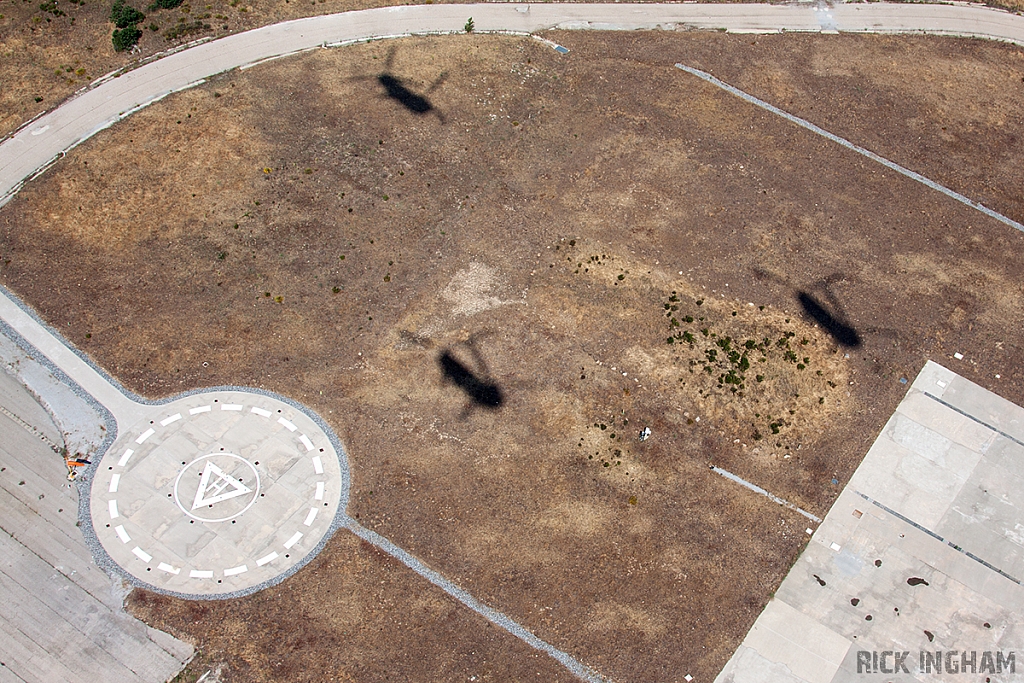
(477, 290)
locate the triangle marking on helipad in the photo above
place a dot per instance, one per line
(217, 488)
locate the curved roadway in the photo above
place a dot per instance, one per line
(37, 144)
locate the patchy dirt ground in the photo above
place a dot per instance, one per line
(52, 49)
(49, 50)
(477, 290)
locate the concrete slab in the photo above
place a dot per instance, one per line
(61, 616)
(809, 651)
(17, 404)
(752, 667)
(922, 551)
(986, 407)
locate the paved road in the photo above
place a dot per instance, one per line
(42, 141)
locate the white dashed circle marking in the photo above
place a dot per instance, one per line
(217, 493)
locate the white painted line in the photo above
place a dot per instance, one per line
(115, 479)
(200, 574)
(112, 509)
(849, 145)
(293, 540)
(492, 615)
(145, 435)
(288, 425)
(142, 554)
(236, 570)
(196, 411)
(169, 420)
(268, 558)
(230, 406)
(306, 442)
(319, 490)
(318, 465)
(122, 534)
(310, 517)
(124, 458)
(261, 412)
(163, 566)
(757, 489)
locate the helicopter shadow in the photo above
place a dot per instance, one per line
(477, 385)
(396, 89)
(820, 305)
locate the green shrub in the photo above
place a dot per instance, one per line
(123, 16)
(51, 7)
(126, 38)
(164, 4)
(186, 29)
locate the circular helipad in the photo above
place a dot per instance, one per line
(218, 494)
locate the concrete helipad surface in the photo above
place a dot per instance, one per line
(917, 568)
(219, 493)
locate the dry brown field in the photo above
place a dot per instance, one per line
(479, 299)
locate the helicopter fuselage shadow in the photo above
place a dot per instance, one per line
(396, 90)
(844, 334)
(481, 392)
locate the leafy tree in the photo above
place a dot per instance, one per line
(126, 38)
(123, 16)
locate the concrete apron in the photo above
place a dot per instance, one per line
(917, 568)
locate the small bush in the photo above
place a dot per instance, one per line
(123, 16)
(51, 7)
(187, 29)
(126, 38)
(164, 4)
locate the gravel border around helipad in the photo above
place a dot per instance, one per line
(258, 573)
(86, 380)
